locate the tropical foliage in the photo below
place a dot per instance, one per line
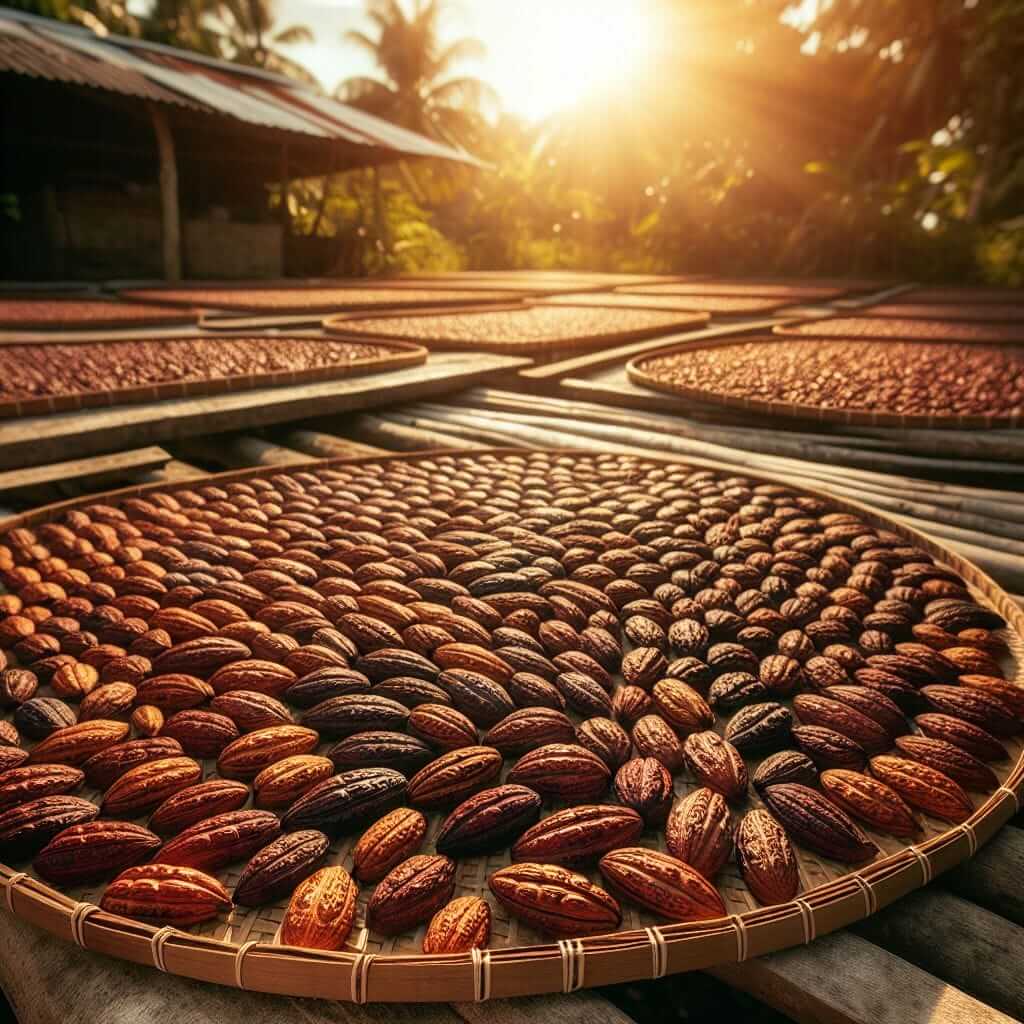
(876, 137)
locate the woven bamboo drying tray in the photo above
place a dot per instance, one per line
(980, 312)
(475, 330)
(892, 328)
(624, 300)
(395, 356)
(638, 373)
(322, 299)
(241, 951)
(35, 312)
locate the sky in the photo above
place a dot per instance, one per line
(527, 62)
(542, 55)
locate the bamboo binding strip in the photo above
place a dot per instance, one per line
(361, 975)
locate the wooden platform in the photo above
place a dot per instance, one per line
(947, 954)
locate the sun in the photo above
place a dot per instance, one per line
(548, 55)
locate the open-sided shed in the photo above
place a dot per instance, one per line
(80, 109)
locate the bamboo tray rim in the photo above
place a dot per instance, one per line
(336, 326)
(794, 410)
(403, 355)
(563, 966)
(483, 298)
(796, 330)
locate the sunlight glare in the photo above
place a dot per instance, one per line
(549, 55)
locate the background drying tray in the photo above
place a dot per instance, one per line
(977, 312)
(625, 300)
(516, 330)
(61, 312)
(310, 299)
(703, 361)
(903, 329)
(146, 368)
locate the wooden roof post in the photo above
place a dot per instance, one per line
(284, 213)
(170, 213)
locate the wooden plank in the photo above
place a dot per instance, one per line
(173, 472)
(170, 214)
(94, 469)
(844, 979)
(992, 877)
(956, 940)
(43, 438)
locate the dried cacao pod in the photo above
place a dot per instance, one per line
(29, 782)
(93, 850)
(820, 710)
(250, 710)
(923, 787)
(275, 871)
(965, 735)
(338, 717)
(74, 745)
(785, 766)
(699, 831)
(387, 842)
(871, 801)
(381, 749)
(817, 823)
(577, 835)
(345, 802)
(563, 771)
(148, 785)
(166, 894)
(766, 858)
(555, 900)
(322, 911)
(758, 728)
(202, 734)
(717, 764)
(411, 893)
(442, 727)
(645, 784)
(828, 748)
(452, 777)
(958, 764)
(488, 820)
(653, 737)
(247, 756)
(197, 803)
(462, 925)
(529, 728)
(26, 828)
(661, 884)
(220, 840)
(973, 706)
(607, 739)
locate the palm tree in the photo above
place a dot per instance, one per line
(246, 36)
(415, 87)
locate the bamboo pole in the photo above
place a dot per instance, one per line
(327, 446)
(804, 446)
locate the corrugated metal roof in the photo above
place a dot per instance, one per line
(41, 48)
(26, 52)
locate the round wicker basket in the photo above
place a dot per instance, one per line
(241, 950)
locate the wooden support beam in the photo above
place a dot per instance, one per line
(843, 979)
(956, 940)
(99, 468)
(241, 452)
(169, 209)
